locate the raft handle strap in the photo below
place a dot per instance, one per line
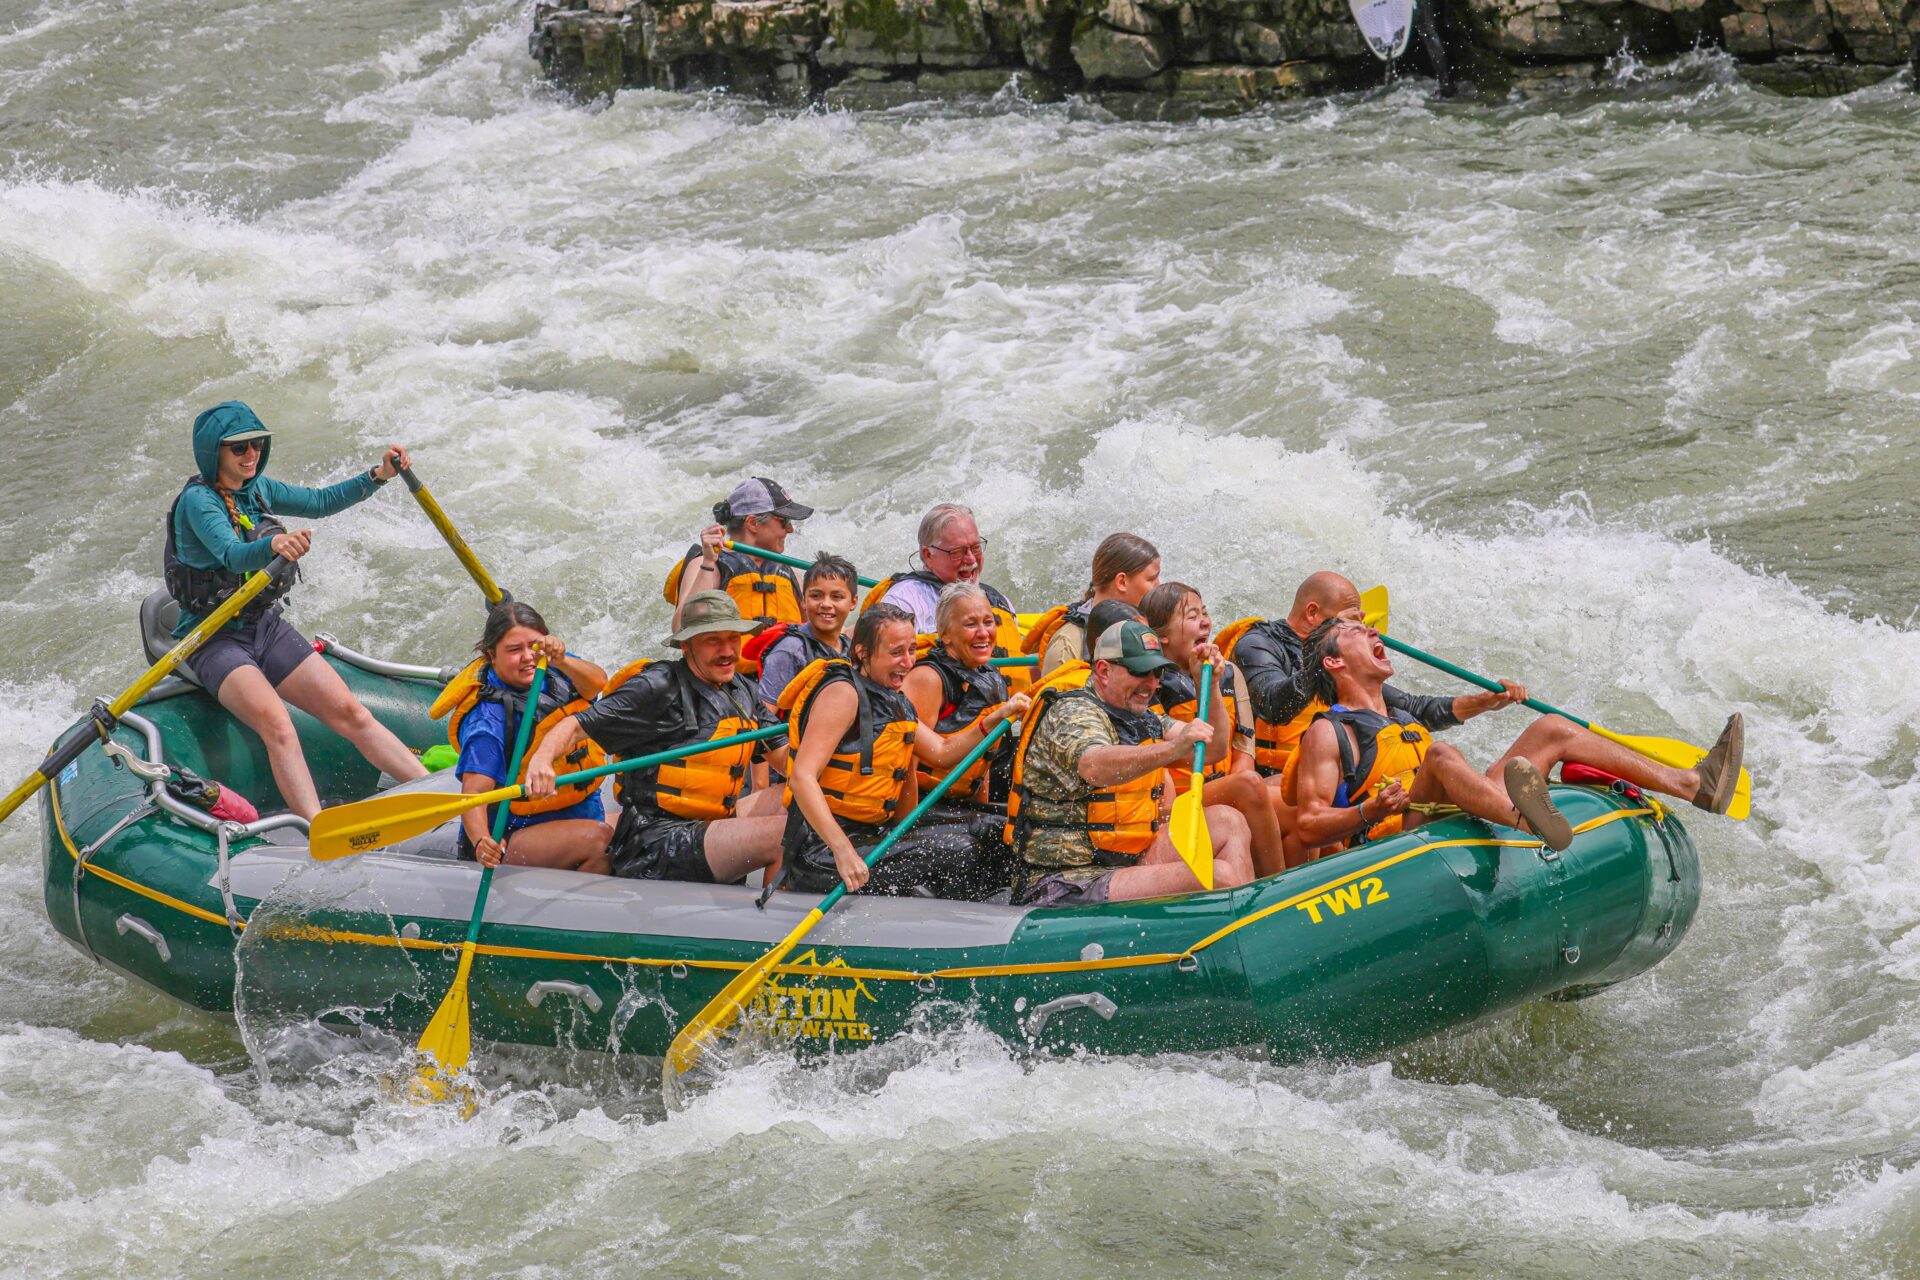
(133, 815)
(225, 834)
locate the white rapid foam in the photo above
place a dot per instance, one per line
(1565, 376)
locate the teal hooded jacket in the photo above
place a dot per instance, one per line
(203, 532)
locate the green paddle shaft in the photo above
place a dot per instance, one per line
(926, 802)
(1024, 660)
(780, 557)
(1200, 713)
(1491, 686)
(662, 757)
(502, 814)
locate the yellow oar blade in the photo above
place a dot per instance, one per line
(383, 820)
(1374, 605)
(447, 1042)
(1682, 755)
(701, 1034)
(1191, 839)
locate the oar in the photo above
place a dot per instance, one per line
(1023, 660)
(1373, 604)
(383, 820)
(780, 557)
(448, 1040)
(724, 1010)
(1667, 751)
(488, 587)
(1191, 839)
(105, 718)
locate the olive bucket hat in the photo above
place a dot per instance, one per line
(707, 611)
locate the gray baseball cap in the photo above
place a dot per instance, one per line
(762, 497)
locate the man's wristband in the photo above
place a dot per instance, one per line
(373, 474)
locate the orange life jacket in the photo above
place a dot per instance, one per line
(1273, 742)
(865, 777)
(558, 700)
(1179, 697)
(1391, 746)
(1121, 820)
(705, 787)
(1040, 634)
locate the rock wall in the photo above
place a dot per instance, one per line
(1183, 57)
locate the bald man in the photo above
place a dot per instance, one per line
(1272, 657)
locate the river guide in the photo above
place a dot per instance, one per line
(1348, 956)
(223, 526)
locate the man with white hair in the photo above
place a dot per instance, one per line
(951, 550)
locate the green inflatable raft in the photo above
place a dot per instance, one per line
(1346, 957)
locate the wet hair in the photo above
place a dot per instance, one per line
(1104, 615)
(866, 632)
(1323, 642)
(933, 525)
(1160, 606)
(1119, 553)
(828, 565)
(503, 618)
(723, 514)
(954, 597)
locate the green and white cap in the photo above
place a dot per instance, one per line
(1134, 646)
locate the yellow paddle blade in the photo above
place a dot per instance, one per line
(1373, 604)
(1681, 755)
(1191, 839)
(447, 1042)
(383, 820)
(707, 1026)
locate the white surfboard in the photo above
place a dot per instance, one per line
(1386, 24)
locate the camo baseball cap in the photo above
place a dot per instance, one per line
(707, 611)
(1134, 646)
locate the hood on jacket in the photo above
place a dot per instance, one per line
(229, 418)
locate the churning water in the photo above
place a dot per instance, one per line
(1616, 391)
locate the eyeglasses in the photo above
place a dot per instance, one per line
(785, 522)
(974, 549)
(239, 447)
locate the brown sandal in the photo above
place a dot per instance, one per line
(1531, 799)
(1720, 769)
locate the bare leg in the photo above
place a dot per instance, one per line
(318, 690)
(1550, 740)
(1161, 870)
(571, 844)
(745, 843)
(1448, 777)
(246, 693)
(1247, 795)
(1297, 854)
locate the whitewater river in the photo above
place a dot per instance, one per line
(1617, 392)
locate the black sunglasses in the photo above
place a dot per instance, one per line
(238, 447)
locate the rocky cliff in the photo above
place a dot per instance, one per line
(1175, 57)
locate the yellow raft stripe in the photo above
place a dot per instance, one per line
(315, 933)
